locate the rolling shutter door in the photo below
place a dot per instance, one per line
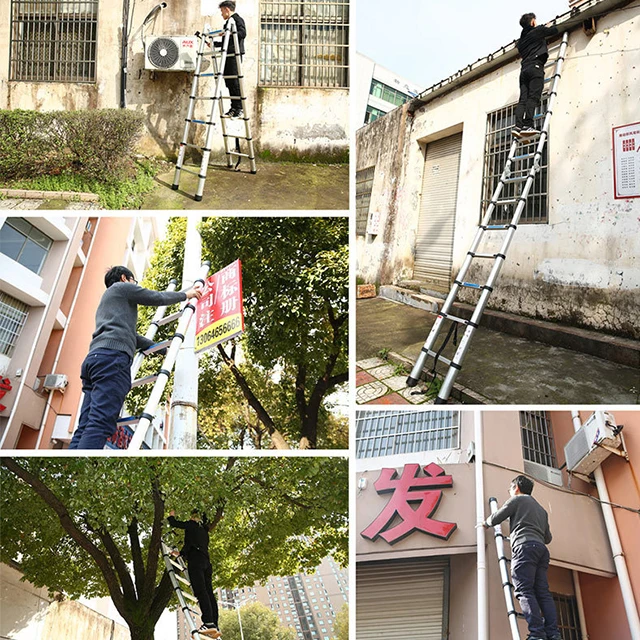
(434, 244)
(401, 600)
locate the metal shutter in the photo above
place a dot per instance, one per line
(401, 600)
(434, 244)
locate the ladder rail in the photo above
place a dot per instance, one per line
(500, 257)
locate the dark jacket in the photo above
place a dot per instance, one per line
(533, 44)
(242, 34)
(528, 521)
(196, 539)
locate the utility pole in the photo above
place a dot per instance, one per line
(184, 399)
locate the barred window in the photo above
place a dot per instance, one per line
(13, 315)
(373, 114)
(387, 93)
(22, 242)
(364, 186)
(53, 40)
(384, 433)
(568, 620)
(537, 438)
(304, 43)
(497, 144)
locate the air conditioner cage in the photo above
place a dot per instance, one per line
(170, 53)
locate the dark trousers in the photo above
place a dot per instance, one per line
(531, 85)
(529, 564)
(106, 380)
(233, 84)
(201, 576)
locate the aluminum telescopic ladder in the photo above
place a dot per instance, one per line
(525, 173)
(179, 575)
(140, 424)
(218, 57)
(507, 586)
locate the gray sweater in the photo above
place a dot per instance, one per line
(528, 521)
(117, 316)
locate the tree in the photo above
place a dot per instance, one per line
(93, 526)
(294, 350)
(341, 624)
(258, 623)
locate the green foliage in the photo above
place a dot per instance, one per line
(95, 143)
(384, 353)
(258, 623)
(279, 515)
(341, 624)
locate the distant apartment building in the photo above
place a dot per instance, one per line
(379, 90)
(51, 280)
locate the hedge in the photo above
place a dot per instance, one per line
(94, 143)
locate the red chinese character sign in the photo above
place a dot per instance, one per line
(219, 313)
(5, 385)
(408, 489)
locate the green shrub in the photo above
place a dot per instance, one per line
(92, 143)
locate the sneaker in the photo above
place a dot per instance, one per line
(238, 113)
(231, 113)
(528, 131)
(209, 631)
(515, 132)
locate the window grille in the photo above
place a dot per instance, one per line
(537, 438)
(384, 433)
(387, 93)
(13, 315)
(364, 186)
(304, 43)
(22, 242)
(497, 144)
(53, 40)
(568, 620)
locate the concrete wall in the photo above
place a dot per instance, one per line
(584, 263)
(298, 121)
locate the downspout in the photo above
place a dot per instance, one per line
(483, 605)
(124, 54)
(616, 546)
(583, 620)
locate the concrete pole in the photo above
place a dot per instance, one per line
(624, 580)
(184, 399)
(483, 603)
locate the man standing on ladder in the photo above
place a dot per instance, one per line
(532, 47)
(196, 553)
(227, 9)
(529, 534)
(106, 371)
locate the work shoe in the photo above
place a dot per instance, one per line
(209, 630)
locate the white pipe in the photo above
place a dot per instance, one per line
(628, 598)
(483, 604)
(45, 316)
(578, 591)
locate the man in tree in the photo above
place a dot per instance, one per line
(532, 47)
(529, 535)
(196, 553)
(105, 372)
(227, 9)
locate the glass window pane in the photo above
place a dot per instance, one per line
(11, 242)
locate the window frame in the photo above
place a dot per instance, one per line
(536, 430)
(28, 239)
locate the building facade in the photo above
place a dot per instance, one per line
(426, 171)
(417, 567)
(51, 281)
(379, 90)
(69, 54)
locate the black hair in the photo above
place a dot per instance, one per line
(526, 19)
(229, 4)
(524, 484)
(115, 275)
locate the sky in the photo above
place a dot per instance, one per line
(426, 41)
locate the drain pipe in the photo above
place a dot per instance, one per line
(481, 549)
(583, 620)
(124, 54)
(616, 546)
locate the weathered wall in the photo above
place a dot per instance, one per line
(582, 268)
(299, 121)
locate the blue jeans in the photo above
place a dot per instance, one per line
(529, 564)
(106, 380)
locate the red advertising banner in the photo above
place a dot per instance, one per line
(219, 313)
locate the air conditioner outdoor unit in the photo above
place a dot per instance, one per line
(544, 473)
(170, 53)
(586, 451)
(55, 382)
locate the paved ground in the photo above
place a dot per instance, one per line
(502, 368)
(276, 185)
(31, 204)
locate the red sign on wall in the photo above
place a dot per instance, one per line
(5, 385)
(405, 490)
(220, 313)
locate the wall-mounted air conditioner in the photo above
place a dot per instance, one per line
(55, 382)
(170, 53)
(586, 451)
(543, 473)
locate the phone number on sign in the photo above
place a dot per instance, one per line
(218, 331)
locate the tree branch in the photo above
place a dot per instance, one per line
(161, 597)
(153, 553)
(136, 556)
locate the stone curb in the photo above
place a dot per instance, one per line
(77, 196)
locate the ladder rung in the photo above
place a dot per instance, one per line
(555, 75)
(183, 580)
(520, 179)
(455, 319)
(491, 256)
(173, 316)
(440, 358)
(525, 156)
(551, 63)
(158, 346)
(230, 135)
(128, 421)
(554, 47)
(192, 146)
(207, 75)
(470, 285)
(146, 380)
(177, 565)
(194, 121)
(505, 201)
(195, 173)
(496, 227)
(232, 97)
(189, 596)
(237, 153)
(203, 97)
